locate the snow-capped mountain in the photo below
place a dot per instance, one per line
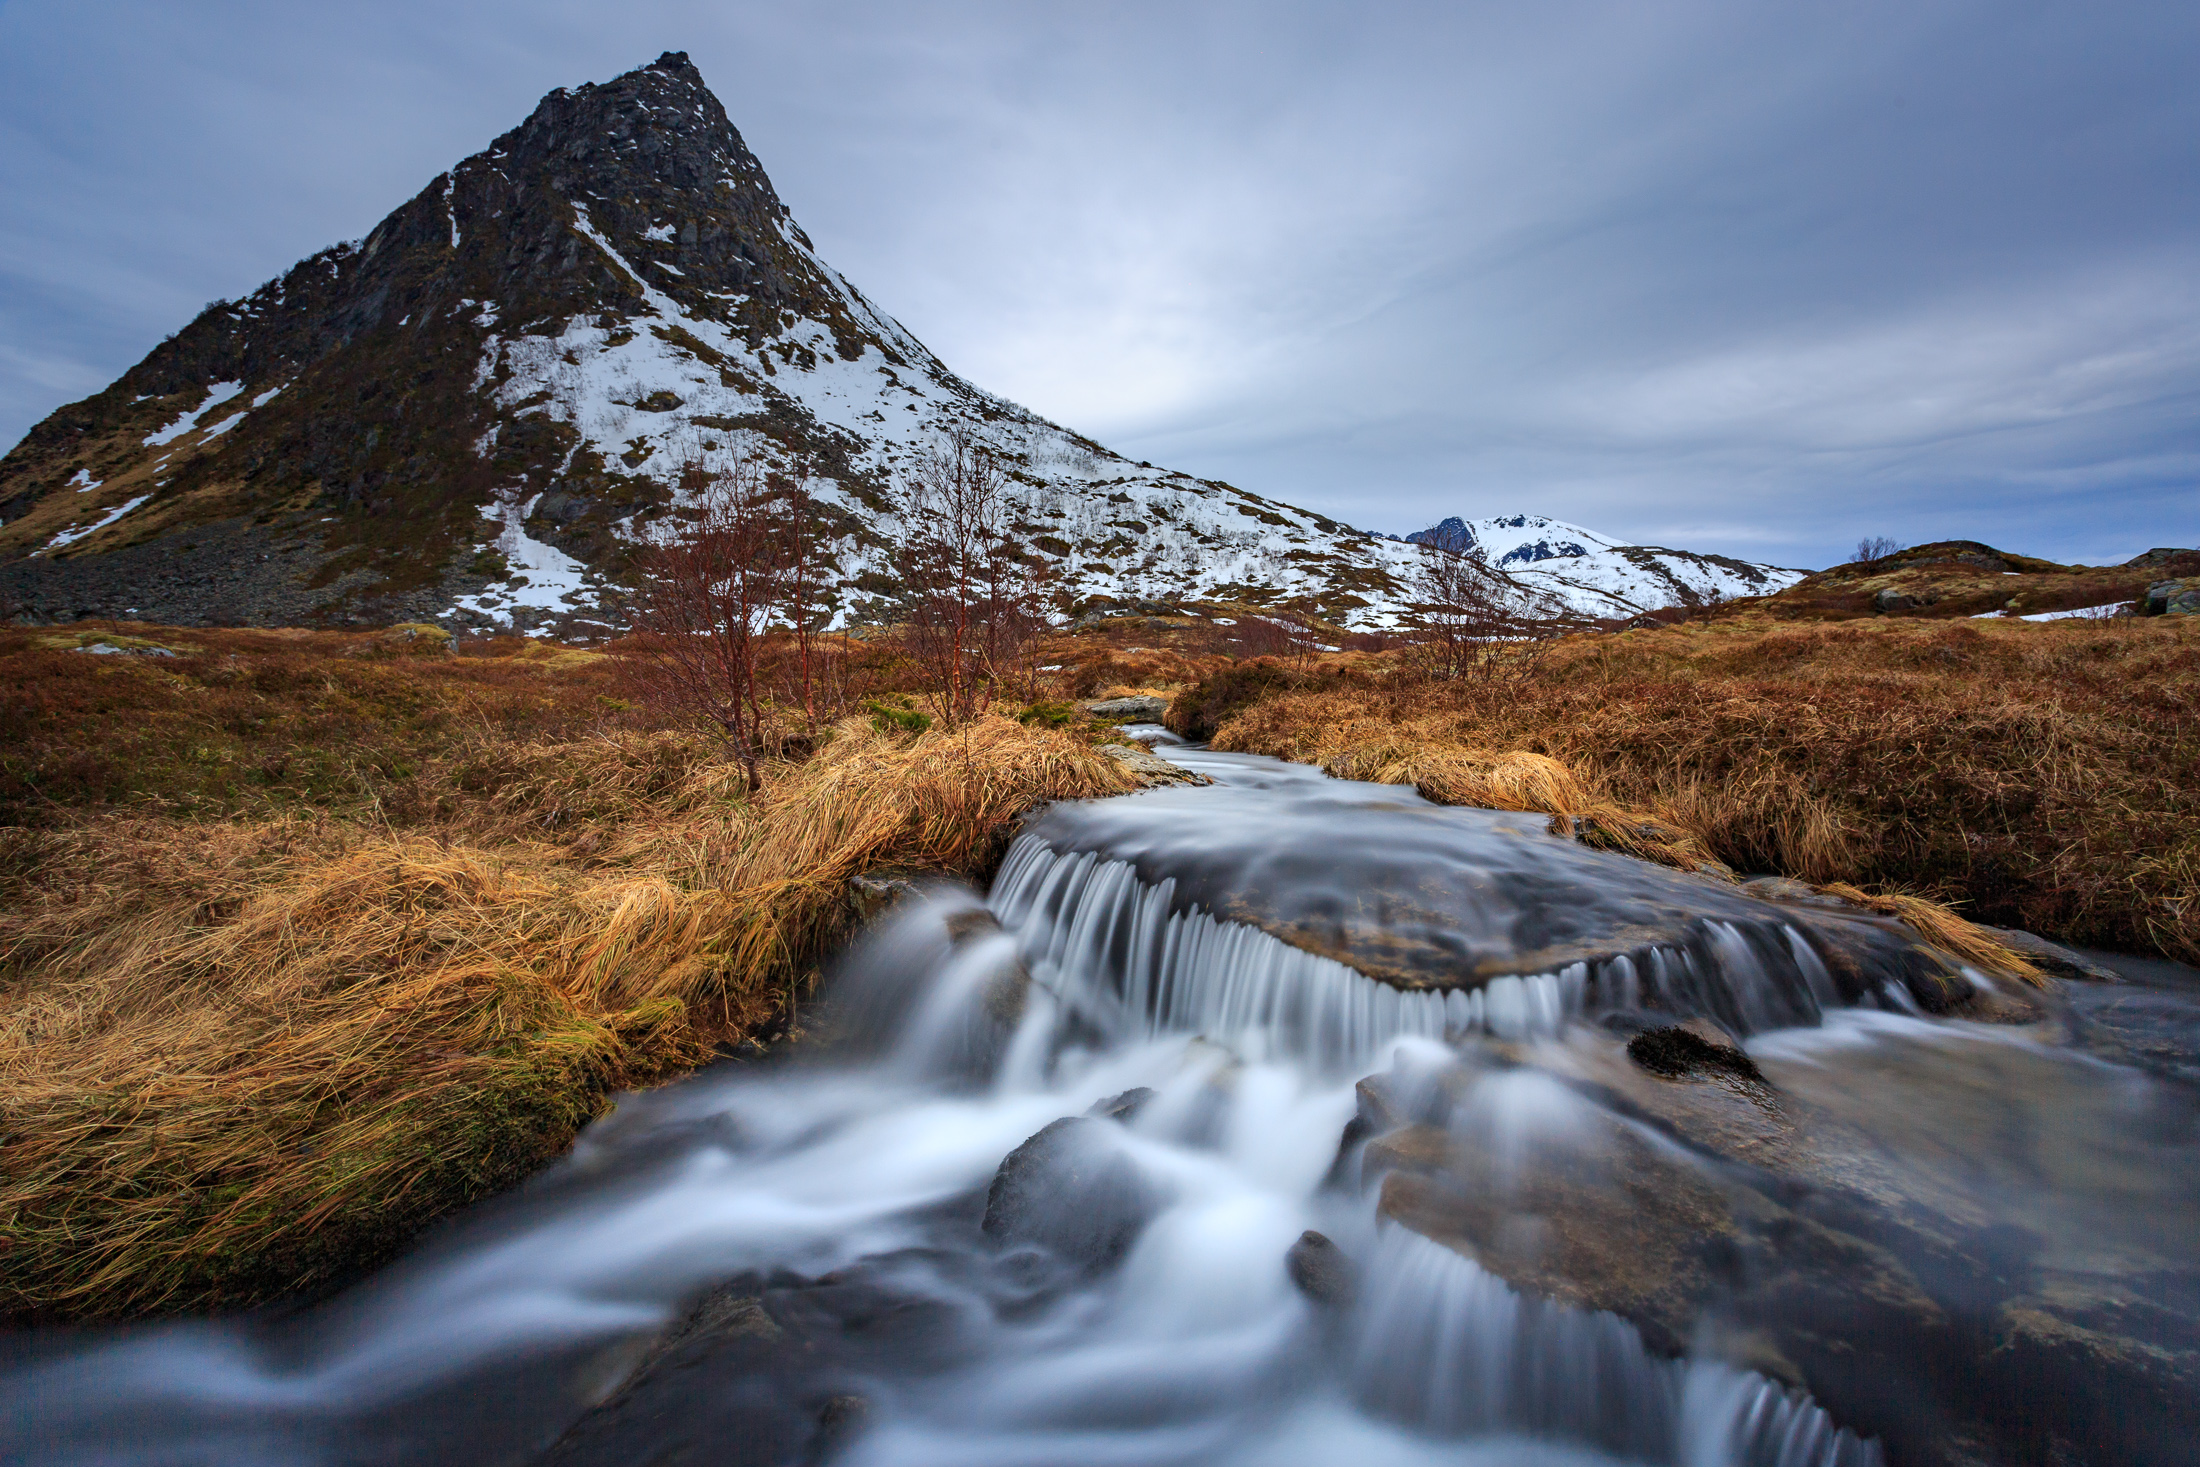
(475, 413)
(1598, 576)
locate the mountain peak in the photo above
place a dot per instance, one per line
(475, 414)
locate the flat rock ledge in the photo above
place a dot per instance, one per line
(1150, 769)
(1141, 708)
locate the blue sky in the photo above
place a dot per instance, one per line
(1742, 277)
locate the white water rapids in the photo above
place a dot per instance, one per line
(872, 1160)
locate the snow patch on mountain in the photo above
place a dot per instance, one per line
(1599, 576)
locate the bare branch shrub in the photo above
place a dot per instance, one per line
(973, 608)
(801, 561)
(713, 579)
(1876, 547)
(1470, 620)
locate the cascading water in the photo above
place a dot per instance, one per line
(1131, 959)
(1041, 1200)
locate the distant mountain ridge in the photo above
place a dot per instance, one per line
(1599, 576)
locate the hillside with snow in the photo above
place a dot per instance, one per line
(477, 413)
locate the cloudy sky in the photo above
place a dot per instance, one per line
(1751, 277)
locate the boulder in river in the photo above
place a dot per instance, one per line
(1323, 1271)
(1137, 708)
(762, 1370)
(1072, 1190)
(1150, 769)
(1422, 896)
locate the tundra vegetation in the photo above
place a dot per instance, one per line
(308, 937)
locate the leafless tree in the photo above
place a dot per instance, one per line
(1014, 616)
(800, 560)
(1876, 547)
(1267, 636)
(713, 580)
(959, 567)
(1470, 620)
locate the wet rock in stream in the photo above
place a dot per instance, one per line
(1694, 1047)
(763, 1372)
(1072, 1191)
(1425, 897)
(1728, 1216)
(1322, 1271)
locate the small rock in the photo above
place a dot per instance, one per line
(840, 1419)
(871, 893)
(1150, 768)
(1141, 708)
(1322, 1270)
(1071, 1190)
(1696, 1047)
(1121, 1107)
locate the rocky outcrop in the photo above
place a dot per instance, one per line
(1963, 578)
(2179, 597)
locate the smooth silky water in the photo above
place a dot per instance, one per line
(958, 1031)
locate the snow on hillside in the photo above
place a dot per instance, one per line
(658, 390)
(1597, 575)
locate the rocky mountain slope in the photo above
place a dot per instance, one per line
(474, 413)
(1598, 576)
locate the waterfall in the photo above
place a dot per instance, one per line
(1130, 958)
(1442, 1346)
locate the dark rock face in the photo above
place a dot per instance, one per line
(2173, 598)
(1450, 534)
(1542, 550)
(1071, 1190)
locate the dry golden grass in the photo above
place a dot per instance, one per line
(2045, 776)
(239, 1059)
